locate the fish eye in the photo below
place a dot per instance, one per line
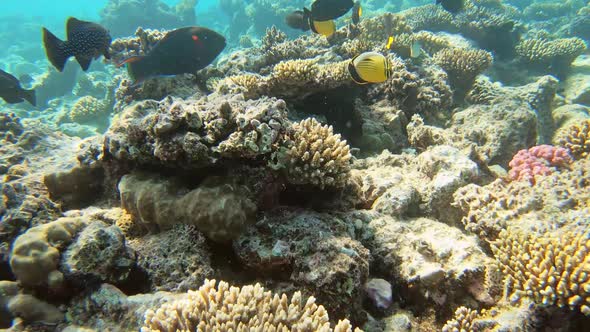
(195, 37)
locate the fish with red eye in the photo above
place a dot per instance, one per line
(173, 55)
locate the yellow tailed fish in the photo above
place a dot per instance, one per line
(416, 49)
(324, 28)
(369, 67)
(389, 42)
(357, 12)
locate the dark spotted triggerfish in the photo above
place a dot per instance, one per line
(86, 41)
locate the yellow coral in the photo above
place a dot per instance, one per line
(249, 308)
(86, 109)
(294, 71)
(462, 321)
(248, 84)
(550, 269)
(577, 139)
(317, 156)
(378, 29)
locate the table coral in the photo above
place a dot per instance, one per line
(550, 268)
(557, 55)
(540, 160)
(463, 65)
(217, 306)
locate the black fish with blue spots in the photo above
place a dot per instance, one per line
(12, 92)
(86, 41)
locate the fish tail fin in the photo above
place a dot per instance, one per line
(137, 68)
(56, 50)
(30, 96)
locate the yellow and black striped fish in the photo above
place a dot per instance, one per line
(369, 67)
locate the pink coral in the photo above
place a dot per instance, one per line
(538, 160)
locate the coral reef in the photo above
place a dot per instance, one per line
(242, 309)
(212, 129)
(555, 200)
(463, 320)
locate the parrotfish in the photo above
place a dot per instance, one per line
(181, 51)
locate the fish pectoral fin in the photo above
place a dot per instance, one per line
(84, 62)
(130, 60)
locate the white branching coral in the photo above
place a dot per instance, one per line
(249, 308)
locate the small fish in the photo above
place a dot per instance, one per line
(181, 51)
(86, 41)
(12, 92)
(301, 20)
(452, 6)
(298, 20)
(389, 42)
(369, 67)
(357, 12)
(325, 10)
(416, 49)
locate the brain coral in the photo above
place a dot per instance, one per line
(577, 139)
(550, 269)
(249, 308)
(317, 156)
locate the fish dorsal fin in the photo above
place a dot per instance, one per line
(74, 24)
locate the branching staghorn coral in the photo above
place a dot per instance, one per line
(219, 307)
(550, 268)
(314, 155)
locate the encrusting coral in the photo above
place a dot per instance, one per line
(219, 307)
(550, 268)
(577, 139)
(315, 155)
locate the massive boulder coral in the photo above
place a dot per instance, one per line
(314, 155)
(36, 254)
(217, 306)
(196, 133)
(160, 204)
